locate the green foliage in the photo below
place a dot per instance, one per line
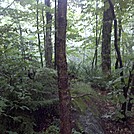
(75, 132)
(79, 104)
(48, 79)
(116, 94)
(81, 88)
(118, 115)
(74, 68)
(26, 96)
(55, 130)
(52, 130)
(82, 94)
(2, 104)
(21, 96)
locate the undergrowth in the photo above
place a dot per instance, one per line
(29, 105)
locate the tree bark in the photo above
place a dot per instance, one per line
(119, 40)
(38, 34)
(131, 84)
(43, 25)
(106, 39)
(125, 89)
(55, 45)
(130, 104)
(64, 93)
(48, 44)
(96, 39)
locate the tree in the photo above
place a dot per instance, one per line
(55, 48)
(96, 39)
(38, 34)
(64, 93)
(48, 44)
(116, 41)
(106, 38)
(131, 84)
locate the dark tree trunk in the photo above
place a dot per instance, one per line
(95, 59)
(55, 45)
(38, 34)
(130, 103)
(43, 25)
(48, 44)
(131, 83)
(64, 93)
(119, 40)
(125, 89)
(96, 40)
(106, 39)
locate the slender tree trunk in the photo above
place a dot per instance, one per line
(21, 43)
(43, 24)
(125, 89)
(38, 34)
(131, 83)
(96, 40)
(64, 92)
(119, 40)
(106, 39)
(22, 47)
(48, 45)
(96, 51)
(55, 45)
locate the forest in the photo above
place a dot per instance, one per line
(67, 67)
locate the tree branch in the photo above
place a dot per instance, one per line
(8, 5)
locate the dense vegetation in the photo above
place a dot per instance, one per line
(100, 59)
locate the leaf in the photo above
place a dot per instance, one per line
(121, 98)
(132, 101)
(25, 108)
(2, 104)
(26, 2)
(119, 115)
(11, 132)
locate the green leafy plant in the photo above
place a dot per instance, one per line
(52, 130)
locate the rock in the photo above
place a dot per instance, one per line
(87, 123)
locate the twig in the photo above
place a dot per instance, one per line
(8, 6)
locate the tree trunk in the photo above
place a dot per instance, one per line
(55, 45)
(130, 103)
(22, 43)
(119, 40)
(125, 89)
(64, 93)
(96, 40)
(48, 44)
(43, 25)
(106, 39)
(95, 59)
(131, 82)
(38, 34)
